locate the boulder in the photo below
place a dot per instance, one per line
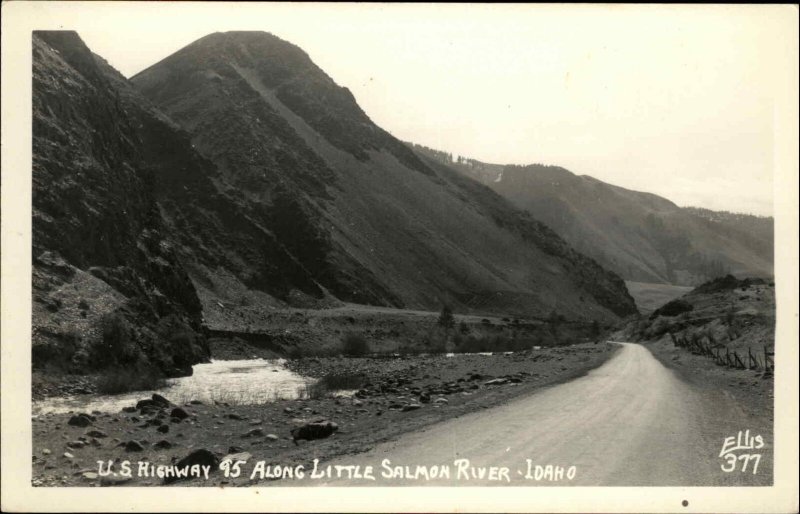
(81, 420)
(160, 400)
(316, 430)
(201, 457)
(179, 413)
(134, 446)
(147, 403)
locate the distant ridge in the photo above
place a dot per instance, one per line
(641, 236)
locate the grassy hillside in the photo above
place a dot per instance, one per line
(367, 219)
(640, 236)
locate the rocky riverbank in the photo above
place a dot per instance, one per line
(397, 395)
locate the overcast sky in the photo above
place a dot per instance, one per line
(673, 100)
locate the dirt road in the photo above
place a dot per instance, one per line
(630, 422)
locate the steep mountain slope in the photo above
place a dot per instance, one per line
(108, 286)
(640, 236)
(363, 216)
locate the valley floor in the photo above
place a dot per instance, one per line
(66, 455)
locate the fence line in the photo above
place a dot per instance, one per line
(707, 347)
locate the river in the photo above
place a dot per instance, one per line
(236, 382)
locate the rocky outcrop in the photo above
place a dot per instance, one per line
(96, 224)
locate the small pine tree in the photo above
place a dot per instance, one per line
(446, 318)
(595, 328)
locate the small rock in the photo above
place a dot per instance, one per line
(163, 445)
(272, 437)
(111, 480)
(317, 430)
(256, 432)
(68, 455)
(163, 428)
(255, 422)
(46, 452)
(496, 381)
(245, 456)
(76, 444)
(411, 406)
(89, 475)
(96, 433)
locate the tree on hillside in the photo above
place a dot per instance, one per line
(446, 320)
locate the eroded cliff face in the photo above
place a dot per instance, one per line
(106, 275)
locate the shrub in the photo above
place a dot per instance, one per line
(446, 319)
(673, 308)
(338, 381)
(118, 380)
(343, 381)
(116, 345)
(354, 345)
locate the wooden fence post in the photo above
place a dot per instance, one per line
(739, 362)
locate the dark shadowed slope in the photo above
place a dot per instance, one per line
(640, 236)
(367, 218)
(108, 286)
